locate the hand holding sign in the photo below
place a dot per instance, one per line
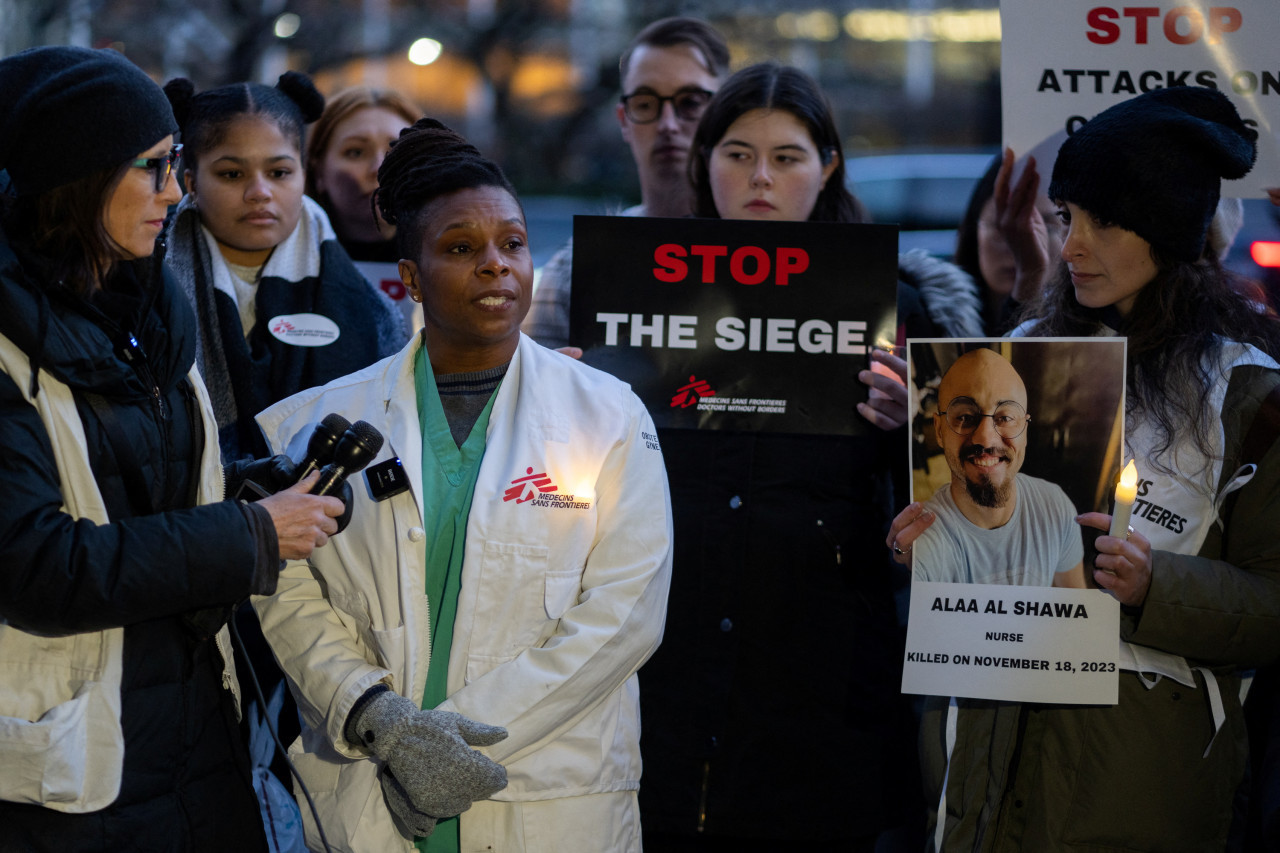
(906, 527)
(886, 405)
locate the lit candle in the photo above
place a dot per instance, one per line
(1126, 492)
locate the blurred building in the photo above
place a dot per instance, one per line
(534, 82)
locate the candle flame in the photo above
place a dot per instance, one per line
(1129, 476)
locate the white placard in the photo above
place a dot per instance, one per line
(1064, 61)
(1016, 643)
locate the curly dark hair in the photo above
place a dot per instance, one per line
(427, 161)
(1178, 322)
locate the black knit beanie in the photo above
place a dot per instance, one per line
(67, 112)
(1154, 164)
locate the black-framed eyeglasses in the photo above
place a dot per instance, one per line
(161, 167)
(963, 417)
(646, 107)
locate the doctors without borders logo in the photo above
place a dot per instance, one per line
(698, 392)
(689, 395)
(304, 330)
(541, 491)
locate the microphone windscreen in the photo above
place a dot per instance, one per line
(335, 423)
(369, 435)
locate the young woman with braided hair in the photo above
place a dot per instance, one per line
(280, 305)
(509, 563)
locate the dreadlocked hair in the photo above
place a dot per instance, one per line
(1175, 328)
(429, 160)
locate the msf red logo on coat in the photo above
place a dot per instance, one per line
(542, 491)
(529, 487)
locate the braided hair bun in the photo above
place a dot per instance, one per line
(204, 117)
(429, 160)
(180, 91)
(303, 92)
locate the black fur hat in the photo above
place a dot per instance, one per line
(1154, 164)
(67, 112)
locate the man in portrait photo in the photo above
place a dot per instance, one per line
(994, 523)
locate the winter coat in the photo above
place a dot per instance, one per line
(1152, 772)
(560, 603)
(773, 709)
(117, 696)
(308, 291)
(936, 299)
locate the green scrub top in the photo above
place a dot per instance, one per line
(449, 477)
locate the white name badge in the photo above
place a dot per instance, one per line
(1014, 643)
(303, 330)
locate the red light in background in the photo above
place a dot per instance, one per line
(1265, 253)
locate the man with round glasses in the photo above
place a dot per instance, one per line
(669, 73)
(994, 524)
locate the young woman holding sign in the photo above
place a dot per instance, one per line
(771, 574)
(1198, 575)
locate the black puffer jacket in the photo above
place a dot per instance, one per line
(158, 569)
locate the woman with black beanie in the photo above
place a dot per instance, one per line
(1198, 572)
(119, 558)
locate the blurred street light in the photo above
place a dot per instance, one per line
(287, 26)
(425, 51)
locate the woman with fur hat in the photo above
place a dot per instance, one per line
(280, 305)
(119, 558)
(1199, 581)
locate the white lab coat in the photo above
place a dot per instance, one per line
(560, 603)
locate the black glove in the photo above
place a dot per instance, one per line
(252, 479)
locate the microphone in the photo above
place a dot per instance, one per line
(324, 438)
(356, 448)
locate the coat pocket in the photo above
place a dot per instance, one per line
(511, 611)
(70, 759)
(561, 592)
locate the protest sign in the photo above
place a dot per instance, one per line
(1066, 61)
(1016, 643)
(731, 324)
(1011, 440)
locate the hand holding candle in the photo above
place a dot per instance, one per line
(1126, 492)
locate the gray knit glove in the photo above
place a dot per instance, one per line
(419, 824)
(431, 770)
